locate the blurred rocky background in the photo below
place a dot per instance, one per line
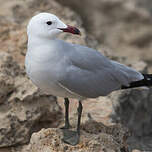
(121, 122)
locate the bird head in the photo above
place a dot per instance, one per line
(48, 25)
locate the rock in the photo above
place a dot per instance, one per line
(35, 112)
(133, 110)
(23, 110)
(105, 139)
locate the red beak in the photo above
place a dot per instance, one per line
(71, 29)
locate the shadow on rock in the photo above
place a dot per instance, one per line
(133, 110)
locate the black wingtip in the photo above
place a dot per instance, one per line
(147, 81)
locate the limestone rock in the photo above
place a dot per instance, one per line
(105, 139)
(133, 109)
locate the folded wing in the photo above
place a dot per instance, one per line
(90, 74)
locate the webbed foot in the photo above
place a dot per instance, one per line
(70, 137)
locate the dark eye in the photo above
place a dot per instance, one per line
(48, 22)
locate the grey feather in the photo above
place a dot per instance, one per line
(91, 74)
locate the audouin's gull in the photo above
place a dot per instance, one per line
(71, 70)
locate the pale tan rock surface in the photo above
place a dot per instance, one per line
(100, 139)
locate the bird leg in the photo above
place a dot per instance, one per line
(79, 117)
(72, 137)
(66, 104)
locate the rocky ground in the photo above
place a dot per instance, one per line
(30, 120)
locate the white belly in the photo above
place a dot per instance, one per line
(42, 78)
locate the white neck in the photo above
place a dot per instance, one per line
(34, 41)
(42, 49)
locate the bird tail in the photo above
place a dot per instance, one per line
(146, 82)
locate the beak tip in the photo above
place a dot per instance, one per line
(71, 29)
(77, 31)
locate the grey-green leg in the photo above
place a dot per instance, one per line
(66, 104)
(72, 137)
(80, 107)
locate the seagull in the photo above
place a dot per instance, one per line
(70, 70)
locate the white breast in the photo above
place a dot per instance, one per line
(44, 74)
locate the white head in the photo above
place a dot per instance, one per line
(47, 25)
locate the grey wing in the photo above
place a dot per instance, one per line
(89, 74)
(126, 74)
(89, 84)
